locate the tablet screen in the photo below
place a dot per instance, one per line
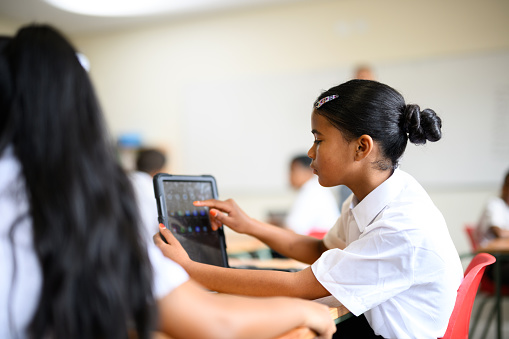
(191, 224)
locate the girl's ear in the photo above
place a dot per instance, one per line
(364, 145)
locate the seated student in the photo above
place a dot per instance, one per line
(364, 72)
(73, 264)
(494, 223)
(149, 162)
(389, 259)
(315, 209)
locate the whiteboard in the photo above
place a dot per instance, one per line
(244, 131)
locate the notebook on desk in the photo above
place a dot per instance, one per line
(191, 224)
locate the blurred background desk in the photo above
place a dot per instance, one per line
(276, 263)
(242, 245)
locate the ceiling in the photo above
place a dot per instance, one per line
(26, 11)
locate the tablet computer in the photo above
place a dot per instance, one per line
(188, 223)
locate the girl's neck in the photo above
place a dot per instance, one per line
(369, 182)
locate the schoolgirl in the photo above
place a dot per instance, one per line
(389, 257)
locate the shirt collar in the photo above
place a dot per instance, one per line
(366, 210)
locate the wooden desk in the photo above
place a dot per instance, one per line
(337, 311)
(237, 243)
(499, 248)
(275, 263)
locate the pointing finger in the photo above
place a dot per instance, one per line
(213, 203)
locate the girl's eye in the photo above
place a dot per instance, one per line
(317, 142)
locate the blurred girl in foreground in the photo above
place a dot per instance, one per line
(74, 264)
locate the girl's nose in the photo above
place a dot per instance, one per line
(311, 152)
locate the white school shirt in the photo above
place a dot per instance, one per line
(19, 298)
(314, 209)
(144, 191)
(496, 213)
(400, 267)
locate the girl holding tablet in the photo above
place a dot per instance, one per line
(74, 262)
(389, 257)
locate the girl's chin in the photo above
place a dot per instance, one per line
(323, 182)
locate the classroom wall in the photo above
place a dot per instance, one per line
(147, 77)
(7, 27)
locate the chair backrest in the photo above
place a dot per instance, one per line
(470, 230)
(460, 318)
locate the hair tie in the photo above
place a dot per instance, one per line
(319, 103)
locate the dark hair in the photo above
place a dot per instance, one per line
(5, 89)
(302, 160)
(150, 160)
(506, 177)
(97, 278)
(372, 108)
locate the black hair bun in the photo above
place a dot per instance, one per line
(421, 126)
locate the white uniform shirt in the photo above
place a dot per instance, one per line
(144, 190)
(496, 213)
(314, 209)
(400, 267)
(19, 295)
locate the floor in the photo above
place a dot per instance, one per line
(482, 321)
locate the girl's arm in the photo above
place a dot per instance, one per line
(288, 243)
(500, 232)
(191, 312)
(301, 284)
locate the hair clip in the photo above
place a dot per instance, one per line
(319, 103)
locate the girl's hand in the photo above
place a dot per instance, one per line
(235, 218)
(173, 249)
(320, 320)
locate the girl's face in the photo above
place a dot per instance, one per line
(332, 155)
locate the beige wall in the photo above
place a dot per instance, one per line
(140, 74)
(7, 27)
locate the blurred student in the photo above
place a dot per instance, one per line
(149, 162)
(364, 72)
(315, 209)
(73, 262)
(494, 221)
(493, 224)
(389, 258)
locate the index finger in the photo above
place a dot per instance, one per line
(214, 203)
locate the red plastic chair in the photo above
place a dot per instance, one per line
(472, 236)
(317, 234)
(460, 318)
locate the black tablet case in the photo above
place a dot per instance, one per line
(190, 224)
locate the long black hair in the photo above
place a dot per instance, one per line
(97, 278)
(370, 107)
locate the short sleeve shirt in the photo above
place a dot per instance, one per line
(496, 213)
(144, 192)
(399, 267)
(314, 209)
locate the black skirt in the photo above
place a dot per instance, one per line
(355, 328)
